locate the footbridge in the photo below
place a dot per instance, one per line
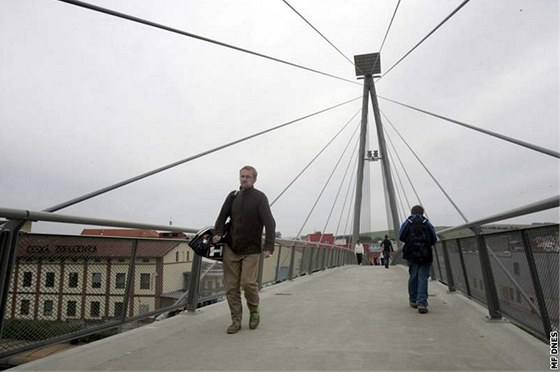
(122, 131)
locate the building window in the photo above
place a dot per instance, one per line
(188, 256)
(95, 306)
(49, 280)
(121, 281)
(24, 308)
(27, 278)
(71, 308)
(144, 281)
(119, 308)
(146, 259)
(47, 307)
(516, 268)
(177, 256)
(73, 280)
(96, 280)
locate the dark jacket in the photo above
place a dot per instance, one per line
(387, 245)
(249, 212)
(403, 236)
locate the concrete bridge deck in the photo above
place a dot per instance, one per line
(353, 318)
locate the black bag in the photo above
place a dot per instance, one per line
(418, 239)
(202, 245)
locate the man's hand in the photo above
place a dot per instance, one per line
(267, 254)
(216, 238)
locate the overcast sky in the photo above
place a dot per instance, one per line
(88, 100)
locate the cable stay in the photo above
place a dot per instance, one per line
(490, 133)
(343, 153)
(194, 36)
(350, 183)
(401, 163)
(313, 160)
(385, 37)
(323, 36)
(429, 173)
(350, 215)
(341, 183)
(395, 171)
(426, 37)
(169, 166)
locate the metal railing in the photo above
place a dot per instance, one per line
(60, 288)
(514, 273)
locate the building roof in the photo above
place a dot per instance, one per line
(66, 246)
(139, 233)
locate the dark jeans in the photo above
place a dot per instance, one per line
(359, 257)
(386, 258)
(418, 282)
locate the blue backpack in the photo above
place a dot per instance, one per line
(418, 245)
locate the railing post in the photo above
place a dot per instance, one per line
(311, 254)
(536, 283)
(292, 262)
(194, 282)
(448, 270)
(278, 264)
(492, 300)
(129, 280)
(437, 260)
(463, 268)
(8, 244)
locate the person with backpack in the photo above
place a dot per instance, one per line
(418, 235)
(387, 249)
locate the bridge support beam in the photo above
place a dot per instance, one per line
(387, 176)
(368, 80)
(369, 88)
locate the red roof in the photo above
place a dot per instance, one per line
(138, 233)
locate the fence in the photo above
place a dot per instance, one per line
(524, 265)
(65, 287)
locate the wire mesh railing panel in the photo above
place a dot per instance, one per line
(513, 280)
(211, 284)
(59, 287)
(544, 244)
(298, 261)
(271, 266)
(439, 263)
(471, 258)
(283, 267)
(456, 268)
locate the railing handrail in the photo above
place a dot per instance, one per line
(548, 203)
(28, 215)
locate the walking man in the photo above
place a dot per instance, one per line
(387, 249)
(418, 235)
(248, 211)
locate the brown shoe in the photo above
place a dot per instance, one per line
(234, 328)
(422, 309)
(413, 305)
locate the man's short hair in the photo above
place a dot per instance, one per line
(417, 209)
(386, 236)
(251, 169)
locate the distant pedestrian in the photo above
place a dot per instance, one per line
(418, 235)
(359, 250)
(248, 211)
(387, 249)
